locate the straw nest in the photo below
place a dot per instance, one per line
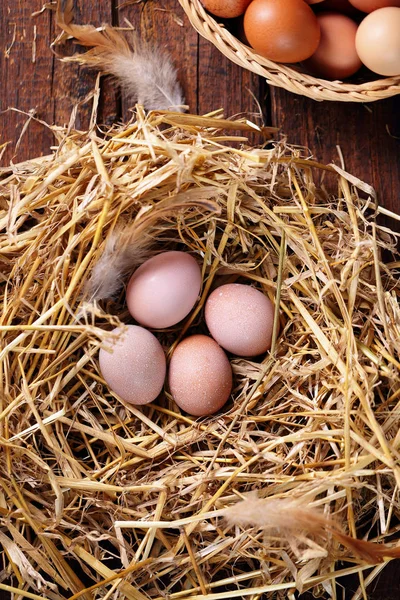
(100, 499)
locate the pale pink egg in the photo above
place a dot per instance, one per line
(240, 318)
(200, 376)
(336, 56)
(164, 289)
(135, 366)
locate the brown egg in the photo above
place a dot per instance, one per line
(286, 32)
(200, 376)
(378, 41)
(336, 56)
(135, 367)
(240, 318)
(227, 9)
(369, 6)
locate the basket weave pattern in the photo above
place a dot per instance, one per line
(282, 75)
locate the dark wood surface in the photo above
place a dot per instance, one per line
(35, 81)
(40, 86)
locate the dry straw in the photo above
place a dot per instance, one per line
(99, 499)
(288, 77)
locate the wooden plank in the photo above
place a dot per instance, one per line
(223, 84)
(73, 83)
(367, 134)
(52, 88)
(209, 80)
(38, 81)
(26, 66)
(164, 24)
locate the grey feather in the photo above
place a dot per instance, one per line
(120, 256)
(144, 70)
(130, 244)
(149, 78)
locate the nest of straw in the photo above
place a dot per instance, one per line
(101, 499)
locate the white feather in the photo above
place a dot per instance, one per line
(149, 78)
(144, 70)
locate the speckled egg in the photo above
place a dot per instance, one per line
(134, 366)
(200, 376)
(240, 318)
(164, 289)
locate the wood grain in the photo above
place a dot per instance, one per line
(222, 84)
(26, 64)
(367, 134)
(164, 24)
(209, 80)
(38, 82)
(72, 83)
(51, 88)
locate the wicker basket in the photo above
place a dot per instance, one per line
(282, 75)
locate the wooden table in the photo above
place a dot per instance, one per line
(368, 135)
(35, 82)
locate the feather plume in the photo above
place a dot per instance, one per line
(127, 246)
(144, 71)
(119, 257)
(291, 518)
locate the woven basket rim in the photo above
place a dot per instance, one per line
(281, 75)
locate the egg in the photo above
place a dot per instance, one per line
(369, 6)
(226, 8)
(240, 318)
(378, 41)
(336, 56)
(164, 289)
(285, 32)
(135, 366)
(200, 376)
